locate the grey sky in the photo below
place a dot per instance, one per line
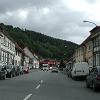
(57, 18)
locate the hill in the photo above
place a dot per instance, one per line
(44, 46)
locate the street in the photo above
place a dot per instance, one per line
(40, 85)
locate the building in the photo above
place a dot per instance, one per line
(33, 58)
(19, 56)
(50, 63)
(88, 50)
(7, 49)
(84, 53)
(89, 53)
(0, 46)
(26, 61)
(36, 61)
(28, 58)
(95, 32)
(79, 54)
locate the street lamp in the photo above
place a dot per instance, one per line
(85, 21)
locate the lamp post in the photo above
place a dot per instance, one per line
(85, 21)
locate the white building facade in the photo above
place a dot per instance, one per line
(33, 59)
(36, 61)
(7, 50)
(26, 61)
(28, 58)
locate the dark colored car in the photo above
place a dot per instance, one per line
(17, 70)
(2, 72)
(10, 71)
(26, 70)
(93, 79)
(21, 70)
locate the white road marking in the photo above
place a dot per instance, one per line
(38, 86)
(41, 81)
(27, 97)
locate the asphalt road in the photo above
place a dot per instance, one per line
(40, 85)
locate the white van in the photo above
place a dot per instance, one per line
(80, 70)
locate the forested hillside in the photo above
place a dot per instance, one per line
(44, 46)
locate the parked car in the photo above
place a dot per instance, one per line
(93, 79)
(80, 70)
(26, 70)
(21, 70)
(55, 69)
(17, 70)
(45, 68)
(10, 70)
(2, 72)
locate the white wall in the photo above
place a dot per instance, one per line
(7, 50)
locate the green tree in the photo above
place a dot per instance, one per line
(44, 46)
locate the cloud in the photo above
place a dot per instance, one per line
(58, 18)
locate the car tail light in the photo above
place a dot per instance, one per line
(98, 77)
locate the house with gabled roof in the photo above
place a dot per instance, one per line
(33, 58)
(7, 48)
(95, 32)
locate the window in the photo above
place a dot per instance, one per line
(97, 59)
(3, 56)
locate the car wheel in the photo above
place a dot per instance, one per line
(73, 77)
(94, 87)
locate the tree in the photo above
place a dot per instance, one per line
(44, 46)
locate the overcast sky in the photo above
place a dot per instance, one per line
(57, 18)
